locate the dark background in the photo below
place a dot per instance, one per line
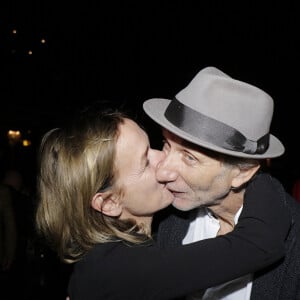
(129, 51)
(126, 52)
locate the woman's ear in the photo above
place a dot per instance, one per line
(107, 203)
(244, 176)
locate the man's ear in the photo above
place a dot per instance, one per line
(107, 203)
(243, 176)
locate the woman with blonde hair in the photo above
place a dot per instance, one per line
(97, 196)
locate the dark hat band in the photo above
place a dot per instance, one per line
(213, 131)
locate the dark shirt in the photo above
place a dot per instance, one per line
(118, 271)
(281, 280)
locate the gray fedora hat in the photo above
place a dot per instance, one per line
(220, 113)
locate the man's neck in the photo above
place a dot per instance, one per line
(225, 211)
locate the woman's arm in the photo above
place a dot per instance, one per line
(123, 272)
(256, 241)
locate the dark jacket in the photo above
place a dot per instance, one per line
(279, 281)
(120, 271)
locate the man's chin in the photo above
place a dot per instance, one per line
(183, 204)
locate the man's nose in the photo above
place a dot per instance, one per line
(165, 172)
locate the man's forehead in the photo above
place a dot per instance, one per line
(186, 144)
(177, 139)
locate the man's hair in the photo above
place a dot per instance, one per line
(241, 162)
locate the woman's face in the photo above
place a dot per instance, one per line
(142, 195)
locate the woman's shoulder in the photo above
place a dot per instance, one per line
(107, 254)
(96, 273)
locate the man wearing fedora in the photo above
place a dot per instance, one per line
(217, 139)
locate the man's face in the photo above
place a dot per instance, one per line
(193, 176)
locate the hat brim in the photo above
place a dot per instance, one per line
(155, 108)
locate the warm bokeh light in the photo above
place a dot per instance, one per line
(26, 143)
(14, 136)
(29, 52)
(43, 41)
(14, 31)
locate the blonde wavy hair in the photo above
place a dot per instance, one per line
(74, 164)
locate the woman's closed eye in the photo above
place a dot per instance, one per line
(165, 146)
(147, 164)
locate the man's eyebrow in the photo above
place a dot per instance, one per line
(199, 149)
(189, 145)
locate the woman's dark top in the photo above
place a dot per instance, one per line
(119, 271)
